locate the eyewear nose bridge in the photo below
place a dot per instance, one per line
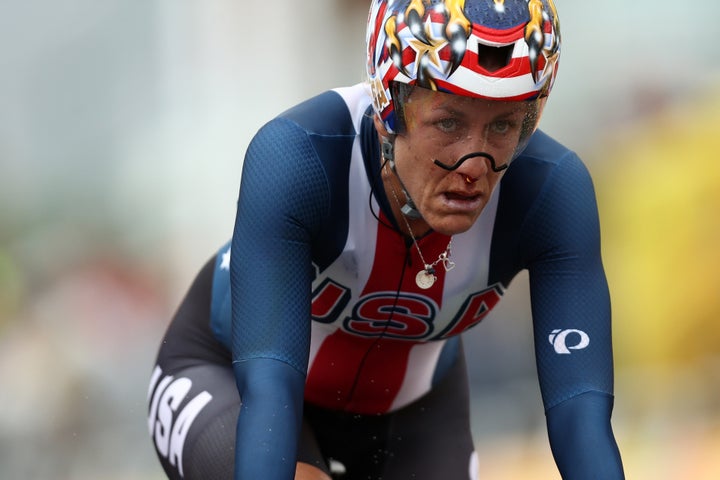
(462, 160)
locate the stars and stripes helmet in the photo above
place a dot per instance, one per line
(493, 49)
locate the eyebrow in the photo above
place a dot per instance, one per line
(507, 115)
(447, 107)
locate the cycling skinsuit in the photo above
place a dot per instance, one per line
(313, 241)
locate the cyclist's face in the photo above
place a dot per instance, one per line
(445, 127)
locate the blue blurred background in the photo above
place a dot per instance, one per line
(123, 126)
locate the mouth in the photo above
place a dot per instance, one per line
(463, 201)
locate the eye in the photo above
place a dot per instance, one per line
(447, 125)
(501, 126)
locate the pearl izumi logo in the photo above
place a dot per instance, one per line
(565, 340)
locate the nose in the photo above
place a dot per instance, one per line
(468, 179)
(472, 166)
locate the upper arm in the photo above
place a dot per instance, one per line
(569, 293)
(282, 201)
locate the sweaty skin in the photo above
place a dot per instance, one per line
(446, 127)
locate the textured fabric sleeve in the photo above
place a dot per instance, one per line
(270, 419)
(282, 200)
(571, 317)
(582, 440)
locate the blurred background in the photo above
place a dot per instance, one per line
(123, 126)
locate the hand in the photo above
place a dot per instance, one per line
(305, 471)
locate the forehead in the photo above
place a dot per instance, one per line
(424, 99)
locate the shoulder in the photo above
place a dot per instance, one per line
(547, 197)
(336, 112)
(546, 165)
(322, 127)
(544, 152)
(550, 191)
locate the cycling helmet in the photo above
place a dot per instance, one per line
(493, 49)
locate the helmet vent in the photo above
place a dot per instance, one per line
(492, 58)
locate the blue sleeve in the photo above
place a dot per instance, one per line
(282, 200)
(572, 321)
(270, 418)
(582, 440)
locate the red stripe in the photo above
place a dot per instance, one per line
(508, 35)
(452, 88)
(332, 375)
(377, 33)
(517, 66)
(364, 374)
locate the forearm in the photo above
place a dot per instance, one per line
(582, 440)
(269, 420)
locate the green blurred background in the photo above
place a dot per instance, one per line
(122, 131)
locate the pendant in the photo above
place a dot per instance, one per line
(425, 279)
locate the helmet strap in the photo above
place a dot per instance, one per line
(388, 154)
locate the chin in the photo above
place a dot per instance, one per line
(454, 226)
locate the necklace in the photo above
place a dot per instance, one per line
(426, 278)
